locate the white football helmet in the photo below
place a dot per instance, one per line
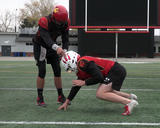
(69, 62)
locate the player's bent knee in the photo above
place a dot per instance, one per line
(99, 94)
(57, 75)
(42, 69)
(42, 74)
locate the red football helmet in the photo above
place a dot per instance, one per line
(60, 14)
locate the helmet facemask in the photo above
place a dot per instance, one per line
(60, 25)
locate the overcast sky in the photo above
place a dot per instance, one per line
(17, 4)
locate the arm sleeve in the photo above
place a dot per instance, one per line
(94, 71)
(65, 39)
(73, 92)
(47, 38)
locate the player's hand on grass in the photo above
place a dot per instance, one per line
(78, 82)
(64, 105)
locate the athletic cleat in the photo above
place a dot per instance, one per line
(133, 96)
(40, 102)
(129, 107)
(61, 99)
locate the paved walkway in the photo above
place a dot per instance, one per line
(16, 58)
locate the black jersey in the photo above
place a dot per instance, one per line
(48, 32)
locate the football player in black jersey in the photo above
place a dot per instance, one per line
(47, 49)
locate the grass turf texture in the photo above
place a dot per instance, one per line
(19, 104)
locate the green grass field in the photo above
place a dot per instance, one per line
(18, 99)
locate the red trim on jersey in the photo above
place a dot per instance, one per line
(105, 65)
(81, 64)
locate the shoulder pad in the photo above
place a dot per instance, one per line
(43, 22)
(82, 64)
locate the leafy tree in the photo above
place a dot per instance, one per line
(27, 23)
(33, 10)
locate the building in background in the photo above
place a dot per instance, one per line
(20, 44)
(157, 42)
(7, 43)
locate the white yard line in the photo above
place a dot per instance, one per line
(123, 60)
(79, 123)
(84, 89)
(23, 77)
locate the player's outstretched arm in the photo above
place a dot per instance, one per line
(74, 90)
(78, 82)
(64, 105)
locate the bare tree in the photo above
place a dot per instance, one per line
(6, 21)
(36, 9)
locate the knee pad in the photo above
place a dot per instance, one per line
(42, 69)
(56, 69)
(41, 75)
(57, 72)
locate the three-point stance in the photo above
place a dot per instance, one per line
(92, 70)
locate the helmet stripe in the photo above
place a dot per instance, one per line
(69, 57)
(64, 61)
